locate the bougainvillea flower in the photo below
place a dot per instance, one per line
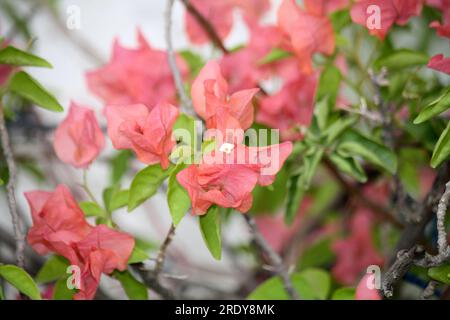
(5, 71)
(391, 12)
(228, 179)
(263, 39)
(147, 133)
(56, 217)
(135, 76)
(213, 104)
(440, 63)
(365, 291)
(308, 32)
(252, 9)
(218, 13)
(103, 250)
(324, 7)
(79, 139)
(290, 108)
(59, 226)
(355, 253)
(442, 28)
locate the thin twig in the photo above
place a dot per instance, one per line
(207, 27)
(440, 214)
(152, 277)
(409, 253)
(186, 104)
(162, 250)
(429, 291)
(274, 259)
(10, 188)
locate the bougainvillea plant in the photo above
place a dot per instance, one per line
(327, 134)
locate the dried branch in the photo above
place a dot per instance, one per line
(428, 293)
(186, 104)
(162, 250)
(152, 277)
(409, 253)
(10, 190)
(276, 263)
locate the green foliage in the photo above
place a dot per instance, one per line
(92, 209)
(354, 143)
(275, 55)
(134, 289)
(29, 88)
(344, 293)
(138, 255)
(319, 254)
(61, 290)
(53, 269)
(115, 198)
(20, 280)
(442, 149)
(194, 61)
(177, 197)
(211, 231)
(311, 284)
(298, 184)
(145, 184)
(16, 57)
(441, 104)
(400, 59)
(441, 273)
(119, 165)
(350, 166)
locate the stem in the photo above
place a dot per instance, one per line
(440, 214)
(274, 259)
(10, 190)
(186, 103)
(162, 250)
(204, 23)
(86, 188)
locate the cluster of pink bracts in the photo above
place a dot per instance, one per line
(139, 94)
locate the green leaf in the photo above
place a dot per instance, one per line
(349, 166)
(177, 197)
(61, 291)
(138, 255)
(92, 209)
(16, 57)
(266, 199)
(275, 55)
(29, 88)
(319, 254)
(194, 61)
(442, 149)
(340, 19)
(120, 165)
(345, 293)
(335, 129)
(2, 297)
(21, 280)
(354, 143)
(400, 59)
(114, 198)
(211, 231)
(436, 107)
(329, 82)
(441, 273)
(134, 289)
(54, 268)
(311, 284)
(145, 184)
(299, 184)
